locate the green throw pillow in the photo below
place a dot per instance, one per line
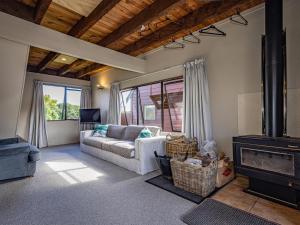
(145, 133)
(100, 130)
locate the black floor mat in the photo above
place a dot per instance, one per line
(212, 212)
(168, 185)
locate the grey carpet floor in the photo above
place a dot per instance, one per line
(72, 188)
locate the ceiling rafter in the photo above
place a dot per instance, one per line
(213, 12)
(66, 68)
(80, 28)
(46, 61)
(40, 10)
(151, 12)
(154, 10)
(18, 9)
(86, 23)
(53, 72)
(87, 70)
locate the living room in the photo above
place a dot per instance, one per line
(100, 97)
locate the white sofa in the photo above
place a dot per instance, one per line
(127, 151)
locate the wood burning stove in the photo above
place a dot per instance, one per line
(271, 161)
(272, 165)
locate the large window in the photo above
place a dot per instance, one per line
(129, 107)
(158, 104)
(61, 103)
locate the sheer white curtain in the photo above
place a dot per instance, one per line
(86, 103)
(113, 116)
(37, 124)
(197, 116)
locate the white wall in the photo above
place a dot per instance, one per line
(13, 62)
(234, 69)
(59, 132)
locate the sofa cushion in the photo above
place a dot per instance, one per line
(14, 149)
(132, 132)
(106, 145)
(115, 131)
(116, 146)
(125, 149)
(96, 141)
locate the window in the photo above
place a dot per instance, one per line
(149, 95)
(61, 103)
(173, 91)
(149, 112)
(73, 103)
(128, 107)
(159, 104)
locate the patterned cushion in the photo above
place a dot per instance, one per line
(115, 131)
(132, 132)
(100, 130)
(154, 130)
(145, 133)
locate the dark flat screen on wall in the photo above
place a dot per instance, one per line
(90, 116)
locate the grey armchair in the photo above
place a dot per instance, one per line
(17, 158)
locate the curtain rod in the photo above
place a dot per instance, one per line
(148, 74)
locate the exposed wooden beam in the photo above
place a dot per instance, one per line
(154, 10)
(86, 23)
(31, 68)
(89, 69)
(209, 14)
(18, 9)
(41, 9)
(66, 68)
(46, 61)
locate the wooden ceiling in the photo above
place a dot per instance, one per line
(132, 27)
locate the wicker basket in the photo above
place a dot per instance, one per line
(180, 146)
(194, 178)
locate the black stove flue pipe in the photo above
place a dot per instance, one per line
(274, 73)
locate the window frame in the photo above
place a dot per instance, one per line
(162, 83)
(64, 110)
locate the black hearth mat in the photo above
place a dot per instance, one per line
(161, 182)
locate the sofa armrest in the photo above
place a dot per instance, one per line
(34, 154)
(85, 133)
(144, 152)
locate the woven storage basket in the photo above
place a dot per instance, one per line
(194, 178)
(180, 146)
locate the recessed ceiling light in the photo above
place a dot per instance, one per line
(65, 59)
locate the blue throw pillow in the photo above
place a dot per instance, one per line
(100, 130)
(145, 133)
